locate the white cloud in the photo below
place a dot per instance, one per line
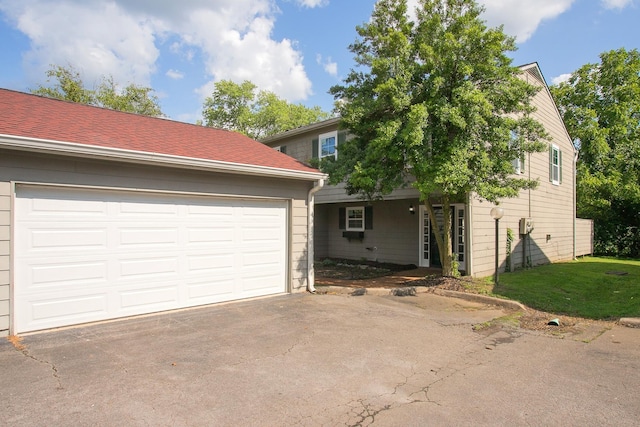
(82, 35)
(560, 79)
(123, 38)
(329, 66)
(312, 3)
(616, 4)
(175, 74)
(522, 18)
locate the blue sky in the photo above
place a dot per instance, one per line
(295, 48)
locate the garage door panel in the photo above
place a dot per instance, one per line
(219, 235)
(122, 253)
(43, 237)
(259, 282)
(224, 212)
(68, 238)
(140, 299)
(147, 268)
(207, 291)
(148, 209)
(74, 206)
(148, 236)
(62, 274)
(211, 264)
(54, 311)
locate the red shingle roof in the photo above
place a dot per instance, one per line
(33, 116)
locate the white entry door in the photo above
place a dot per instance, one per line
(83, 255)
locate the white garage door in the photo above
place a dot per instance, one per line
(85, 255)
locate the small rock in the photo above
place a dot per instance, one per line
(404, 292)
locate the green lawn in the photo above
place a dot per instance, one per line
(584, 288)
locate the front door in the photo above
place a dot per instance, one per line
(429, 254)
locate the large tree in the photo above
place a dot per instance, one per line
(65, 83)
(242, 107)
(436, 104)
(600, 104)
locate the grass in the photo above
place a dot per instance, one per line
(583, 288)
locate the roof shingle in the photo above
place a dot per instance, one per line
(37, 117)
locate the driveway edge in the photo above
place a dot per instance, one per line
(630, 322)
(485, 299)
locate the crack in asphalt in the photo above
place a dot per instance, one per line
(25, 351)
(368, 412)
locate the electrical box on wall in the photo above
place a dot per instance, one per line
(526, 225)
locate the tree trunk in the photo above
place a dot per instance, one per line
(442, 232)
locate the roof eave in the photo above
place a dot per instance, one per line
(142, 157)
(303, 129)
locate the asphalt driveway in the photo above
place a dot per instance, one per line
(311, 360)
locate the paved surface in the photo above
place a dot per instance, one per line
(312, 360)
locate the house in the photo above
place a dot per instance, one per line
(105, 214)
(398, 229)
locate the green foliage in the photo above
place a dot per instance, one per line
(132, 99)
(66, 84)
(579, 288)
(433, 104)
(600, 105)
(510, 237)
(257, 114)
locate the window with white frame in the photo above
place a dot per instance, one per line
(327, 144)
(518, 162)
(355, 218)
(555, 165)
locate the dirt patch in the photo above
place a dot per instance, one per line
(331, 268)
(352, 275)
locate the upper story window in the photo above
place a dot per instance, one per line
(355, 218)
(555, 164)
(327, 144)
(281, 148)
(518, 162)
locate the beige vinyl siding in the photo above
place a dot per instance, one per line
(320, 235)
(549, 206)
(584, 237)
(5, 244)
(298, 268)
(34, 168)
(393, 238)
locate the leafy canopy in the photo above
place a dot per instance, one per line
(434, 103)
(257, 114)
(66, 84)
(600, 105)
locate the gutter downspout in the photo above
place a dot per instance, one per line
(310, 230)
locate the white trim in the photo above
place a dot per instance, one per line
(353, 208)
(327, 135)
(17, 185)
(422, 262)
(334, 121)
(142, 157)
(555, 167)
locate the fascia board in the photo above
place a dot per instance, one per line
(141, 157)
